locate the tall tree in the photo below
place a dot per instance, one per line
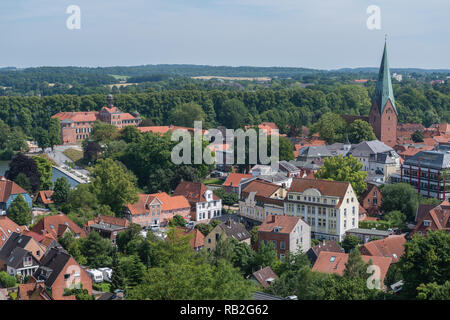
(359, 131)
(114, 185)
(45, 169)
(19, 211)
(344, 169)
(185, 115)
(401, 197)
(331, 127)
(54, 132)
(117, 279)
(425, 261)
(61, 190)
(23, 164)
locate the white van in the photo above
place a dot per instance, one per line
(96, 275)
(107, 273)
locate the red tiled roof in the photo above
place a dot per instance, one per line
(329, 246)
(167, 202)
(56, 225)
(234, 179)
(325, 187)
(165, 129)
(193, 191)
(37, 237)
(83, 116)
(198, 240)
(391, 247)
(262, 188)
(139, 207)
(326, 264)
(45, 196)
(7, 227)
(7, 188)
(287, 223)
(263, 275)
(171, 202)
(114, 221)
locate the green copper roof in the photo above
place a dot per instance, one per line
(384, 91)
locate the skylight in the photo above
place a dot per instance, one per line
(332, 259)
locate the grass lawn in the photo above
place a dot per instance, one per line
(213, 181)
(120, 78)
(45, 156)
(73, 154)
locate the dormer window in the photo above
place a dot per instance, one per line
(427, 223)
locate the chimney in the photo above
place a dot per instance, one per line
(229, 222)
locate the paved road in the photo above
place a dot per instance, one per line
(60, 158)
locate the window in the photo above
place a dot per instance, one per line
(282, 245)
(332, 259)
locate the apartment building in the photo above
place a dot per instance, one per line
(329, 207)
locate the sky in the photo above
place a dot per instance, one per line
(320, 34)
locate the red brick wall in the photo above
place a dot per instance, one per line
(269, 236)
(368, 200)
(384, 127)
(60, 283)
(389, 125)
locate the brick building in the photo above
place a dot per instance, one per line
(154, 210)
(289, 234)
(58, 271)
(383, 114)
(371, 199)
(77, 126)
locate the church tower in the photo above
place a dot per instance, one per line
(383, 114)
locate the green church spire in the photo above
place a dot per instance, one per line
(383, 90)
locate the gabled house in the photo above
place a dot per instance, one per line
(205, 205)
(9, 190)
(146, 212)
(287, 233)
(264, 276)
(172, 206)
(57, 225)
(7, 227)
(59, 271)
(228, 229)
(45, 197)
(20, 255)
(390, 247)
(198, 239)
(437, 218)
(33, 291)
(377, 158)
(329, 246)
(107, 226)
(371, 200)
(334, 262)
(157, 209)
(260, 199)
(233, 183)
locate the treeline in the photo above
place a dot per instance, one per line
(288, 108)
(44, 79)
